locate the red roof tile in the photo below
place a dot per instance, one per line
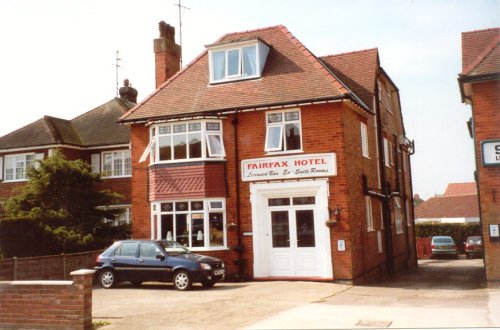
(466, 188)
(291, 74)
(480, 52)
(358, 70)
(460, 206)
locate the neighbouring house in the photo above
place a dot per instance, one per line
(94, 136)
(284, 164)
(458, 204)
(479, 84)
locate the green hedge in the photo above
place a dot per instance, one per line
(458, 231)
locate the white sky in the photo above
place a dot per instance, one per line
(57, 57)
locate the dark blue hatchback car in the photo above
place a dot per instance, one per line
(139, 261)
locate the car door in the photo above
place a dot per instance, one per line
(149, 267)
(124, 260)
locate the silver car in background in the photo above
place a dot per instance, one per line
(443, 246)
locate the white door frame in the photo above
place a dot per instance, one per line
(259, 194)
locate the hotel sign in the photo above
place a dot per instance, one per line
(491, 152)
(289, 167)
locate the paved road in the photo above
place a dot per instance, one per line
(442, 293)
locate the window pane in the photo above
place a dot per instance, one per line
(117, 164)
(280, 229)
(197, 230)
(9, 168)
(216, 205)
(233, 62)
(180, 146)
(181, 229)
(164, 130)
(107, 167)
(216, 229)
(167, 227)
(179, 128)
(293, 115)
(167, 207)
(274, 138)
(194, 127)
(305, 228)
(181, 206)
(214, 145)
(249, 61)
(274, 118)
(218, 65)
(213, 126)
(165, 145)
(292, 137)
(195, 145)
(197, 206)
(128, 163)
(128, 249)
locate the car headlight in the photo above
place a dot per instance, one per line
(205, 266)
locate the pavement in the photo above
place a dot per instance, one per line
(440, 294)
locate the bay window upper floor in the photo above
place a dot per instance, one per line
(185, 141)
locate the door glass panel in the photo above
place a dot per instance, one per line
(128, 249)
(280, 229)
(197, 230)
(216, 229)
(167, 227)
(278, 201)
(181, 229)
(305, 228)
(303, 200)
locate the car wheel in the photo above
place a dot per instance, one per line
(208, 283)
(136, 283)
(182, 281)
(107, 278)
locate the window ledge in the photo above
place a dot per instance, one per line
(274, 153)
(367, 157)
(13, 181)
(192, 160)
(115, 177)
(200, 249)
(371, 230)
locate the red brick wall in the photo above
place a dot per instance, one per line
(47, 305)
(486, 110)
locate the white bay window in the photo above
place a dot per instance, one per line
(182, 141)
(197, 224)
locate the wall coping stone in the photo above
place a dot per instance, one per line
(82, 272)
(36, 283)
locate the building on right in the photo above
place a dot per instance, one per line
(479, 84)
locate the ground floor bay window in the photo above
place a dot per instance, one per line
(197, 224)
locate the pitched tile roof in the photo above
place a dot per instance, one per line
(357, 70)
(95, 127)
(481, 52)
(459, 206)
(466, 188)
(291, 74)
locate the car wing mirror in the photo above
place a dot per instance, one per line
(160, 256)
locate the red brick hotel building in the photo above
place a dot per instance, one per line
(284, 164)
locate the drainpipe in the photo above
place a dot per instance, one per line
(239, 247)
(386, 211)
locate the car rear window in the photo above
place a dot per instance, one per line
(473, 240)
(442, 240)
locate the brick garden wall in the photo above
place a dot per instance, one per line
(47, 304)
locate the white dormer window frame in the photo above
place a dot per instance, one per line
(237, 61)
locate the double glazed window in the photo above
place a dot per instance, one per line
(283, 131)
(398, 215)
(193, 223)
(116, 164)
(234, 63)
(185, 141)
(17, 166)
(364, 140)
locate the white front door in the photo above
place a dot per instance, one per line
(290, 237)
(292, 240)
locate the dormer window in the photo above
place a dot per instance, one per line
(237, 61)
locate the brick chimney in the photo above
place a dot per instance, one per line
(167, 54)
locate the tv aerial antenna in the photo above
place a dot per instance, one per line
(180, 6)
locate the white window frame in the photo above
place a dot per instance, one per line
(398, 215)
(369, 213)
(281, 149)
(14, 158)
(207, 154)
(126, 212)
(364, 140)
(208, 208)
(387, 155)
(124, 167)
(261, 51)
